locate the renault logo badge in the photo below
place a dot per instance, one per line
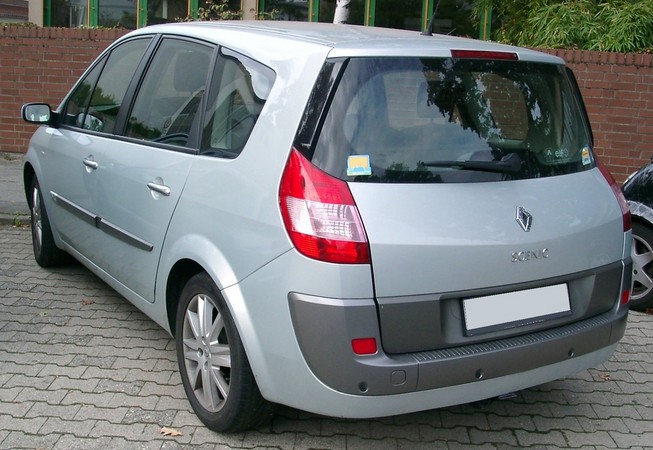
(524, 218)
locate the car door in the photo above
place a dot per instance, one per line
(143, 174)
(71, 160)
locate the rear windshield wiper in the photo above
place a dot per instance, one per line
(509, 163)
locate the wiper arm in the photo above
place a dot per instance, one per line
(509, 163)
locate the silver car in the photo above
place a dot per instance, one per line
(356, 222)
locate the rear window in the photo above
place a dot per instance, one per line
(447, 120)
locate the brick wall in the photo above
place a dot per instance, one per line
(41, 64)
(618, 93)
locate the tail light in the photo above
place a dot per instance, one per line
(320, 214)
(625, 211)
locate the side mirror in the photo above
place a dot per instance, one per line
(38, 113)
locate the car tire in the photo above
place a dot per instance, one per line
(214, 368)
(641, 296)
(46, 252)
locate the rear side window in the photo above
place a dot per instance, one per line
(240, 87)
(451, 120)
(95, 104)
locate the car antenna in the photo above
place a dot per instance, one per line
(428, 31)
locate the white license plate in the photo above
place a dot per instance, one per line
(516, 308)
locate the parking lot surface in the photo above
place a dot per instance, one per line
(81, 368)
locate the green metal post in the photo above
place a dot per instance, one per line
(370, 12)
(93, 13)
(314, 10)
(486, 23)
(427, 13)
(141, 13)
(193, 5)
(47, 13)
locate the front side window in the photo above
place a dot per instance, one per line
(100, 111)
(168, 100)
(238, 93)
(78, 101)
(452, 120)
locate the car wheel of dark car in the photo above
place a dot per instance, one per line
(214, 368)
(642, 253)
(46, 253)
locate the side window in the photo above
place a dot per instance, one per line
(239, 88)
(99, 114)
(75, 109)
(171, 92)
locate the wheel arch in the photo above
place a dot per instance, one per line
(641, 212)
(28, 175)
(182, 271)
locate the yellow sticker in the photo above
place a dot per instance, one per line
(358, 165)
(585, 156)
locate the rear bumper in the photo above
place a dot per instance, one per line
(325, 327)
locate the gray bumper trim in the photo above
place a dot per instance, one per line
(325, 328)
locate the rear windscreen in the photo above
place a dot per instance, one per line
(445, 120)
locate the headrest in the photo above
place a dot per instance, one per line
(191, 69)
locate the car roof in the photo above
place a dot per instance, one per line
(289, 38)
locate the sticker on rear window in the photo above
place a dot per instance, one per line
(358, 165)
(585, 155)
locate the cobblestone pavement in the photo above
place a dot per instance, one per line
(13, 206)
(81, 368)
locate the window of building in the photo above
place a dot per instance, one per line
(406, 15)
(68, 13)
(117, 13)
(451, 16)
(163, 11)
(297, 10)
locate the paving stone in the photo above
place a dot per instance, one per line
(113, 415)
(41, 409)
(137, 415)
(597, 438)
(552, 438)
(58, 425)
(100, 375)
(434, 434)
(357, 443)
(20, 439)
(309, 442)
(492, 437)
(11, 423)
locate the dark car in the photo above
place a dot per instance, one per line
(638, 190)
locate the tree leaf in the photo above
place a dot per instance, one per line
(170, 432)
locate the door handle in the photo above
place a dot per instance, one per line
(91, 164)
(160, 188)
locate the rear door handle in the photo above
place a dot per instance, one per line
(160, 188)
(91, 164)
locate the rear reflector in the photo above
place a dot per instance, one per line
(625, 297)
(623, 204)
(320, 214)
(364, 346)
(480, 54)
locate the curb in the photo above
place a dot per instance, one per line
(14, 219)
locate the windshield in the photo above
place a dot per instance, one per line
(450, 120)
